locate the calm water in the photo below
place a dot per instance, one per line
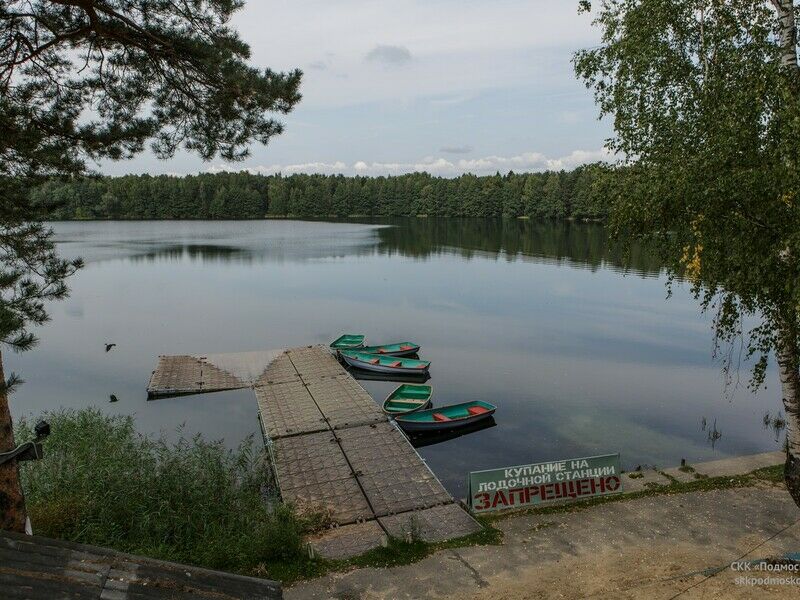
(581, 356)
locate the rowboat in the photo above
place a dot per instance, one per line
(407, 398)
(348, 341)
(446, 417)
(384, 364)
(421, 439)
(398, 349)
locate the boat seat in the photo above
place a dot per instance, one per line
(440, 417)
(477, 410)
(381, 351)
(406, 347)
(396, 363)
(422, 366)
(373, 361)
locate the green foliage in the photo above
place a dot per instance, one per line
(31, 274)
(189, 501)
(171, 73)
(708, 121)
(576, 194)
(91, 79)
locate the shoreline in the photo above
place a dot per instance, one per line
(655, 540)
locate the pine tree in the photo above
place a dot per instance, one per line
(163, 74)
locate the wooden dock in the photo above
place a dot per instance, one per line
(333, 450)
(33, 568)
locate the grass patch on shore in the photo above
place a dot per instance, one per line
(189, 501)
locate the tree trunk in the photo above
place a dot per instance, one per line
(788, 364)
(12, 502)
(787, 351)
(787, 33)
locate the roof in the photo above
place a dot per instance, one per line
(36, 568)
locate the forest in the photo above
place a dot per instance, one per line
(577, 194)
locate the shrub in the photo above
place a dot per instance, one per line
(190, 501)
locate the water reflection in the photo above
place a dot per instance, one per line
(237, 242)
(420, 440)
(194, 252)
(363, 375)
(579, 350)
(576, 244)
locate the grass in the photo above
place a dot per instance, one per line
(188, 501)
(196, 502)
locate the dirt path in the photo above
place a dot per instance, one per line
(655, 548)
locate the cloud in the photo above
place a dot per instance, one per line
(580, 157)
(389, 55)
(332, 168)
(456, 149)
(318, 65)
(520, 163)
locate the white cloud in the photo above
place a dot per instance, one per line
(494, 74)
(579, 157)
(528, 161)
(309, 167)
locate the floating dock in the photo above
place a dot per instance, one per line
(332, 448)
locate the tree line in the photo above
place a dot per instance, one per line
(578, 194)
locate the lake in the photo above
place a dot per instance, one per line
(581, 354)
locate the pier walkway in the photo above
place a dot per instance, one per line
(333, 450)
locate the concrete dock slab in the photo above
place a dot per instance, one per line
(333, 449)
(348, 540)
(288, 409)
(431, 525)
(343, 402)
(186, 374)
(739, 464)
(314, 475)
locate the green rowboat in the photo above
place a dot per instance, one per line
(347, 341)
(398, 349)
(446, 417)
(384, 364)
(407, 398)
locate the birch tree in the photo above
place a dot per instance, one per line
(705, 101)
(103, 79)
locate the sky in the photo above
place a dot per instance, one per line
(444, 86)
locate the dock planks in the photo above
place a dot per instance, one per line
(333, 450)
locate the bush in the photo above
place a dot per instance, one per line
(188, 501)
